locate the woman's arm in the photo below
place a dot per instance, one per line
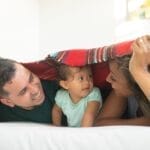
(140, 64)
(113, 109)
(143, 121)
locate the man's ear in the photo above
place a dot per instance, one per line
(63, 84)
(7, 102)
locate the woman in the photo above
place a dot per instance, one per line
(123, 95)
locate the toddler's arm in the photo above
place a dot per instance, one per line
(90, 113)
(56, 115)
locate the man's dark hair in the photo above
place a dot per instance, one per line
(7, 71)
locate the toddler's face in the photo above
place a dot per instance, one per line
(80, 83)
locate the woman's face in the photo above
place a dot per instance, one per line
(118, 80)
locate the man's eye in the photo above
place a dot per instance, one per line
(31, 78)
(23, 92)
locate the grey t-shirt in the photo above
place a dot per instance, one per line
(132, 106)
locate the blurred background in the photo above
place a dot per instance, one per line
(31, 29)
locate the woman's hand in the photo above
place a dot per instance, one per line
(140, 59)
(139, 64)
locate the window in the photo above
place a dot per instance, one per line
(138, 9)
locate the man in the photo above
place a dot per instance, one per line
(23, 96)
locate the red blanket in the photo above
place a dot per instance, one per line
(79, 57)
(97, 57)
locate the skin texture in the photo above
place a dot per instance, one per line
(25, 89)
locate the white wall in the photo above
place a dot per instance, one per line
(125, 29)
(31, 29)
(132, 29)
(19, 29)
(66, 24)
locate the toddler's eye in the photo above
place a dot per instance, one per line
(80, 78)
(90, 76)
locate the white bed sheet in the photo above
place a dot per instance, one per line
(31, 136)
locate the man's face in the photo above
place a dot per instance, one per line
(25, 89)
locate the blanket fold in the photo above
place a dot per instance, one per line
(81, 57)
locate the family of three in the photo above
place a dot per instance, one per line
(73, 100)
